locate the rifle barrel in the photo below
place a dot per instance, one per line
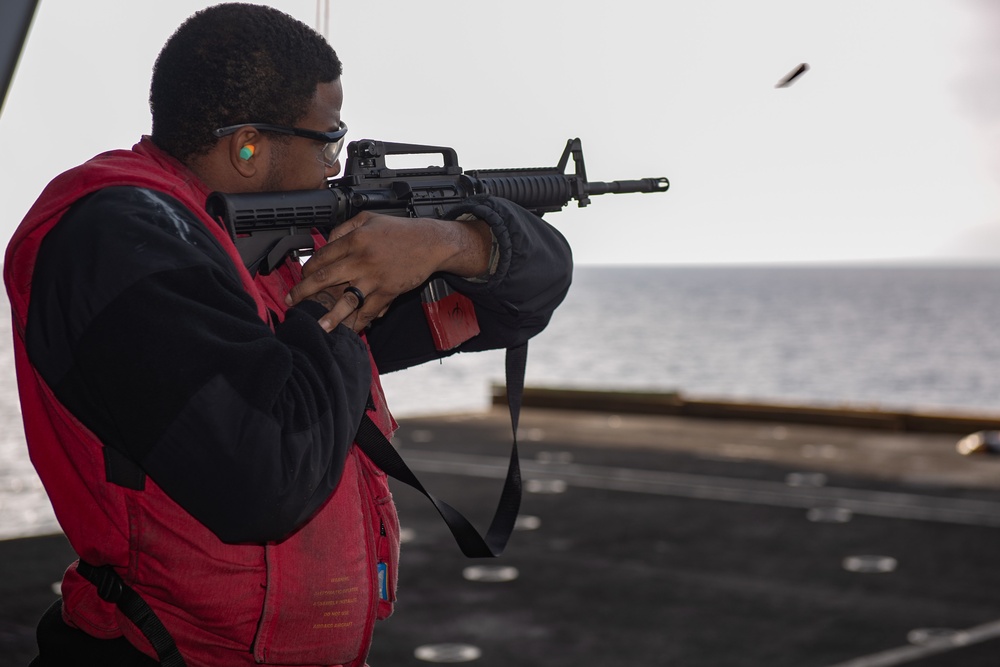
(548, 192)
(619, 187)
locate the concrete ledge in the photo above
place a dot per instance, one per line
(675, 404)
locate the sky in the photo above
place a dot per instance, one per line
(884, 150)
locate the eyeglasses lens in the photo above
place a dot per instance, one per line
(331, 152)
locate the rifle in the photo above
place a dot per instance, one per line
(268, 226)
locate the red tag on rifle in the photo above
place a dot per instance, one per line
(450, 315)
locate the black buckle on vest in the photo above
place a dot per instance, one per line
(109, 585)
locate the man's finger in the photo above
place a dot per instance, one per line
(344, 308)
(300, 292)
(322, 276)
(348, 226)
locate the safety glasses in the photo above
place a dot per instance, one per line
(333, 141)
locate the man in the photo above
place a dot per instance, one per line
(193, 424)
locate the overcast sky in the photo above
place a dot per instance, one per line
(884, 150)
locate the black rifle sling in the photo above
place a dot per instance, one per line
(375, 445)
(112, 588)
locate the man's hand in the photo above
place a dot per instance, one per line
(384, 256)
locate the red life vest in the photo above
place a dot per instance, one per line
(311, 599)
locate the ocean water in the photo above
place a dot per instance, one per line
(895, 338)
(903, 338)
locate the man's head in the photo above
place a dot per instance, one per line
(238, 63)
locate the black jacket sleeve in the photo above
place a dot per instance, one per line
(533, 275)
(139, 324)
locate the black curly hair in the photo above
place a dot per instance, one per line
(235, 63)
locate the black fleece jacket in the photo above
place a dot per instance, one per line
(139, 324)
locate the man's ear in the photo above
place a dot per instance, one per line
(244, 151)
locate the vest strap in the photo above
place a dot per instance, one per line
(123, 471)
(112, 588)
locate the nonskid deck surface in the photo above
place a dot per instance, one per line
(650, 540)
